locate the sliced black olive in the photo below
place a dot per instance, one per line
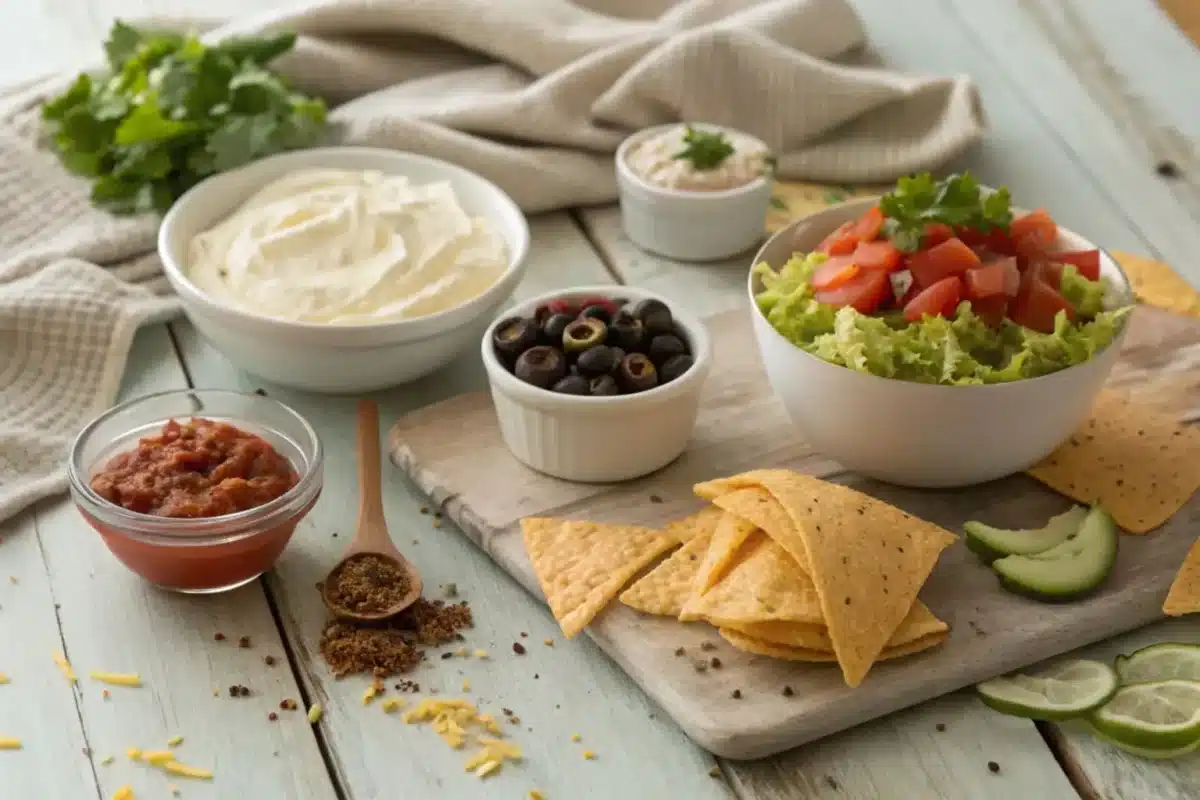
(655, 316)
(572, 384)
(604, 386)
(596, 312)
(583, 333)
(664, 347)
(514, 336)
(553, 327)
(598, 360)
(541, 366)
(674, 367)
(626, 331)
(637, 373)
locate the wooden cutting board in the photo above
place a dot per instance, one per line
(453, 451)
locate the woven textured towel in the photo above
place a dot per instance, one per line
(533, 94)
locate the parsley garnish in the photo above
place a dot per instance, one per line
(170, 111)
(705, 149)
(958, 201)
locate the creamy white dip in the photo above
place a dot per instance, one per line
(348, 248)
(653, 159)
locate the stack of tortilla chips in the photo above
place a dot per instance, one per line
(784, 564)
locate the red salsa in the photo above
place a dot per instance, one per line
(193, 469)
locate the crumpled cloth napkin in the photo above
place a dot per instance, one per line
(533, 94)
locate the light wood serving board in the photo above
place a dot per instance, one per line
(453, 451)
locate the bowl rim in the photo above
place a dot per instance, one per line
(626, 173)
(190, 292)
(863, 203)
(199, 530)
(503, 380)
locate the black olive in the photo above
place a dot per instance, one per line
(637, 373)
(598, 360)
(596, 312)
(674, 367)
(604, 386)
(583, 333)
(572, 384)
(618, 356)
(541, 366)
(514, 336)
(553, 327)
(626, 331)
(644, 308)
(655, 316)
(541, 314)
(665, 347)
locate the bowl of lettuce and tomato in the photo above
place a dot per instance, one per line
(936, 336)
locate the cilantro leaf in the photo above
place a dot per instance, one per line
(705, 149)
(958, 201)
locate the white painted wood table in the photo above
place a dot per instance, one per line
(1084, 98)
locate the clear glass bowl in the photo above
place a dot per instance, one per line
(206, 555)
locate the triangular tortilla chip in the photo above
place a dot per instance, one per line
(763, 584)
(919, 623)
(666, 588)
(1156, 284)
(1141, 465)
(759, 506)
(581, 566)
(730, 535)
(1184, 596)
(759, 647)
(868, 561)
(703, 521)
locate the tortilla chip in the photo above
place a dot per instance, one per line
(581, 566)
(1140, 465)
(730, 535)
(760, 507)
(1184, 596)
(868, 560)
(759, 647)
(919, 623)
(666, 588)
(703, 521)
(1156, 284)
(763, 584)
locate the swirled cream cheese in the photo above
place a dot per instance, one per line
(348, 248)
(659, 161)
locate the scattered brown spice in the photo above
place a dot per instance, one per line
(450, 590)
(715, 663)
(714, 771)
(831, 783)
(218, 636)
(446, 656)
(655, 499)
(737, 694)
(272, 716)
(395, 647)
(708, 647)
(941, 727)
(437, 515)
(518, 648)
(424, 509)
(679, 651)
(368, 583)
(1167, 169)
(993, 767)
(237, 690)
(261, 392)
(524, 635)
(269, 660)
(244, 642)
(788, 691)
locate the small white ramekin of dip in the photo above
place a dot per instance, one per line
(693, 210)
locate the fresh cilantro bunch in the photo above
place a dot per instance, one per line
(170, 111)
(705, 149)
(958, 201)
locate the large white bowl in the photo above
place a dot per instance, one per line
(338, 358)
(915, 434)
(598, 439)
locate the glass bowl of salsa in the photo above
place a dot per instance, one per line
(196, 490)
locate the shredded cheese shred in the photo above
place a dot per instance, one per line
(116, 678)
(65, 666)
(10, 743)
(184, 771)
(124, 793)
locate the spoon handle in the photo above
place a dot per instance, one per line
(370, 502)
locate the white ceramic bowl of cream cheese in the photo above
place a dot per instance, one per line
(696, 219)
(338, 358)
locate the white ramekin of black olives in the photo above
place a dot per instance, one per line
(597, 384)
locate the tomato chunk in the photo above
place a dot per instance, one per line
(841, 242)
(996, 240)
(864, 292)
(935, 234)
(880, 254)
(997, 278)
(992, 310)
(940, 299)
(867, 227)
(1037, 223)
(951, 257)
(1086, 261)
(1037, 305)
(834, 272)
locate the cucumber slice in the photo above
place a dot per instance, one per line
(991, 543)
(1068, 570)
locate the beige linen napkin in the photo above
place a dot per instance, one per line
(533, 94)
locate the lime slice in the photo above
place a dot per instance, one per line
(1065, 690)
(1164, 715)
(1154, 753)
(1160, 662)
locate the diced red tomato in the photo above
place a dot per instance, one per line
(867, 227)
(939, 299)
(951, 257)
(992, 310)
(1037, 304)
(997, 278)
(995, 241)
(935, 234)
(1050, 272)
(1037, 223)
(864, 292)
(834, 272)
(841, 242)
(879, 254)
(1086, 261)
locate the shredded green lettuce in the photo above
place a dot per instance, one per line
(959, 351)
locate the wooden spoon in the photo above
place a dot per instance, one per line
(371, 537)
